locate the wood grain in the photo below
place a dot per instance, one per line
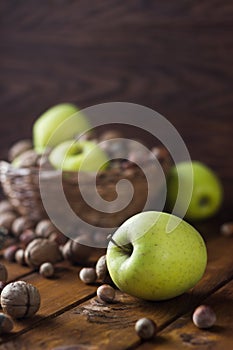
(112, 325)
(182, 334)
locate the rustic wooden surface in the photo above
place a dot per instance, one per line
(175, 57)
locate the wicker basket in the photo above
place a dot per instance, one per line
(22, 188)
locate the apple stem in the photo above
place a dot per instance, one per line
(109, 238)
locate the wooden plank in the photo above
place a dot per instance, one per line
(182, 334)
(57, 293)
(15, 271)
(112, 326)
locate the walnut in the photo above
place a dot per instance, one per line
(20, 299)
(76, 252)
(42, 250)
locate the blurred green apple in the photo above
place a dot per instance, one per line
(74, 155)
(207, 193)
(148, 261)
(58, 124)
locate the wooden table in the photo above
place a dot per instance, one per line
(175, 57)
(71, 314)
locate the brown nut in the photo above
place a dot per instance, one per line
(9, 253)
(27, 159)
(76, 252)
(7, 219)
(58, 237)
(27, 236)
(44, 228)
(42, 250)
(106, 293)
(227, 229)
(6, 323)
(20, 299)
(46, 270)
(204, 317)
(101, 268)
(3, 273)
(87, 275)
(19, 148)
(145, 328)
(5, 206)
(21, 224)
(19, 257)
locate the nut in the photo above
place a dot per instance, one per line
(58, 237)
(44, 228)
(6, 323)
(20, 299)
(21, 224)
(76, 252)
(106, 293)
(146, 328)
(204, 317)
(19, 148)
(27, 159)
(27, 236)
(46, 270)
(42, 250)
(101, 268)
(3, 273)
(227, 229)
(5, 206)
(7, 219)
(19, 257)
(87, 275)
(9, 253)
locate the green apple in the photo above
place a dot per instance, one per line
(59, 123)
(74, 155)
(206, 196)
(149, 261)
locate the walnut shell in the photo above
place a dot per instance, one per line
(20, 299)
(42, 250)
(76, 252)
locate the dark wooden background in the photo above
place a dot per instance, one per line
(173, 56)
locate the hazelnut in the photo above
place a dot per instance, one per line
(20, 299)
(204, 317)
(9, 253)
(46, 269)
(76, 252)
(101, 268)
(145, 328)
(27, 236)
(106, 293)
(42, 250)
(87, 275)
(7, 219)
(5, 206)
(19, 257)
(3, 273)
(44, 228)
(20, 224)
(6, 323)
(58, 237)
(19, 148)
(227, 229)
(27, 159)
